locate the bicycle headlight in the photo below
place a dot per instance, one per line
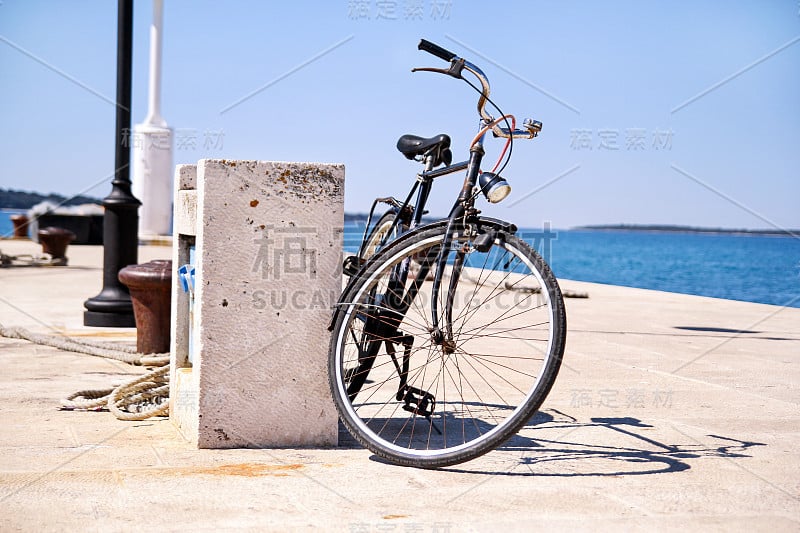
(493, 187)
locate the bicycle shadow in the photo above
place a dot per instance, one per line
(542, 448)
(559, 456)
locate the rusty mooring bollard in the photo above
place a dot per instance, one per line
(55, 241)
(20, 226)
(150, 285)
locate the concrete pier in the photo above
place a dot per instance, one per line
(671, 413)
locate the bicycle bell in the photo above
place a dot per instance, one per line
(493, 187)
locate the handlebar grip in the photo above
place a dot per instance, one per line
(436, 50)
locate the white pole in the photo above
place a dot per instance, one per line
(152, 148)
(154, 117)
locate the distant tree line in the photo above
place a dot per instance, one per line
(355, 217)
(12, 199)
(685, 229)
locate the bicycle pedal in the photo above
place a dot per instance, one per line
(418, 402)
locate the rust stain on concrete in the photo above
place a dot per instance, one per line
(249, 470)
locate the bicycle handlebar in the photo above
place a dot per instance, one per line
(457, 64)
(436, 50)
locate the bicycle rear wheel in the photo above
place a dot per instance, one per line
(418, 399)
(379, 234)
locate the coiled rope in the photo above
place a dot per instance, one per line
(138, 399)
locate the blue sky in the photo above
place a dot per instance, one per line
(653, 112)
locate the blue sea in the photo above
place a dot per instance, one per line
(751, 268)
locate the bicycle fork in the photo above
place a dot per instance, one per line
(463, 206)
(445, 338)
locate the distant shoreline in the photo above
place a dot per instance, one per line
(667, 228)
(14, 199)
(11, 200)
(644, 228)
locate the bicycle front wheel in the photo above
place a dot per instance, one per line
(426, 396)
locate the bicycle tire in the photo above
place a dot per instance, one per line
(416, 423)
(376, 237)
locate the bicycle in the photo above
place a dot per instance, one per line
(448, 335)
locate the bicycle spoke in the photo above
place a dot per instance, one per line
(492, 295)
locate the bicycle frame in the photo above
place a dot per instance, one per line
(409, 216)
(463, 206)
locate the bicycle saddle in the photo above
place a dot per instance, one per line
(413, 145)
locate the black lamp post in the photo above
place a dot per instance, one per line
(113, 307)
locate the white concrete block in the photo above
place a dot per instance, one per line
(268, 247)
(185, 216)
(184, 381)
(185, 177)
